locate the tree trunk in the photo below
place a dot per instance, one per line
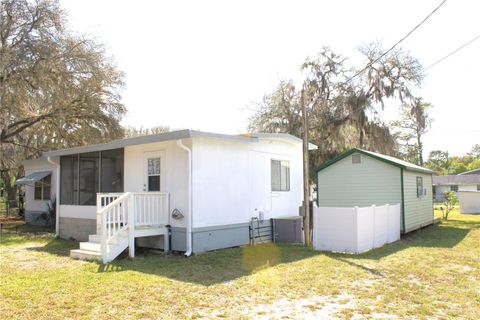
(10, 189)
(420, 149)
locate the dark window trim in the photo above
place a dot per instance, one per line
(42, 184)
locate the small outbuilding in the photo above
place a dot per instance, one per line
(363, 178)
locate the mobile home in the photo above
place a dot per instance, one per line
(186, 190)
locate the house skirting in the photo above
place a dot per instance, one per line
(77, 228)
(214, 237)
(35, 218)
(204, 239)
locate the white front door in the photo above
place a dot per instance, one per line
(153, 169)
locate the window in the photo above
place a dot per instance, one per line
(280, 175)
(42, 188)
(83, 175)
(420, 192)
(153, 174)
(454, 188)
(356, 158)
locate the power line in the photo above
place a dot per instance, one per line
(453, 52)
(396, 44)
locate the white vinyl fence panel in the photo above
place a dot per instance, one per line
(469, 201)
(355, 229)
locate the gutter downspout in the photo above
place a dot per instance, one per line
(190, 200)
(57, 196)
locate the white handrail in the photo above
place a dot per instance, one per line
(114, 203)
(113, 221)
(128, 210)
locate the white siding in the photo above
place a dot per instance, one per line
(345, 184)
(469, 201)
(440, 191)
(418, 210)
(231, 181)
(173, 173)
(467, 187)
(30, 167)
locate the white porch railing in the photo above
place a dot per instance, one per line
(151, 208)
(103, 200)
(119, 214)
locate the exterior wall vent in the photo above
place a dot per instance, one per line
(356, 158)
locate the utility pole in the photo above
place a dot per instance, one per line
(306, 187)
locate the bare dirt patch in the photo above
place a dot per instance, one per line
(315, 307)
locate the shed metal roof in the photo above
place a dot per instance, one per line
(384, 158)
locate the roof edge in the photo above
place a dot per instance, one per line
(361, 151)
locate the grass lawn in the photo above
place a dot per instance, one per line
(431, 273)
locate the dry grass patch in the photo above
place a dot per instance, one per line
(432, 273)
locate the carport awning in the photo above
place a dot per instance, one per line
(33, 177)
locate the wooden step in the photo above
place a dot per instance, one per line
(95, 238)
(85, 255)
(91, 246)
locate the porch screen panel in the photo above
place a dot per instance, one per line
(68, 181)
(111, 171)
(83, 175)
(88, 178)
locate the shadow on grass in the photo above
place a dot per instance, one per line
(58, 247)
(17, 233)
(230, 264)
(213, 267)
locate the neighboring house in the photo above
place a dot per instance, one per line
(363, 178)
(474, 171)
(455, 183)
(201, 188)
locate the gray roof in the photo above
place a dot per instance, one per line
(167, 136)
(33, 177)
(474, 171)
(457, 179)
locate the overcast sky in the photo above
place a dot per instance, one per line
(199, 64)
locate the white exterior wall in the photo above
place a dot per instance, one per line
(467, 187)
(347, 184)
(30, 167)
(80, 212)
(418, 210)
(173, 173)
(469, 201)
(232, 183)
(441, 189)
